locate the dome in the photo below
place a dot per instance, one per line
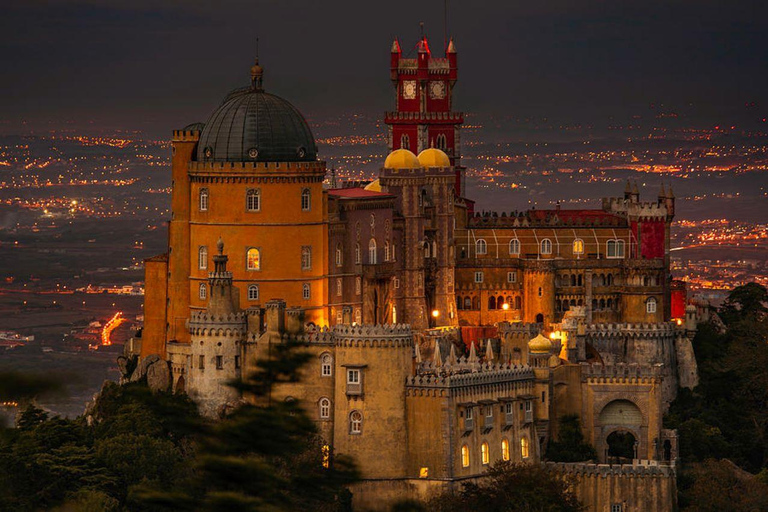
(540, 344)
(401, 159)
(254, 126)
(374, 186)
(433, 157)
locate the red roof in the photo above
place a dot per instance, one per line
(356, 193)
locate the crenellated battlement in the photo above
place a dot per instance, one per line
(203, 323)
(389, 335)
(644, 330)
(464, 374)
(635, 210)
(582, 469)
(620, 372)
(541, 219)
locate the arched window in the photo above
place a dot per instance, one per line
(578, 246)
(491, 302)
(546, 246)
(305, 291)
(609, 303)
(459, 303)
(481, 247)
(326, 365)
(339, 255)
(465, 456)
(372, 251)
(203, 200)
(358, 317)
(338, 286)
(514, 246)
(615, 249)
(253, 200)
(394, 314)
(467, 302)
(306, 257)
(405, 141)
(484, 453)
(573, 279)
(609, 279)
(202, 257)
(306, 200)
(650, 305)
(325, 408)
(504, 449)
(440, 142)
(355, 422)
(386, 250)
(253, 292)
(524, 448)
(358, 286)
(203, 291)
(602, 303)
(476, 303)
(253, 259)
(358, 256)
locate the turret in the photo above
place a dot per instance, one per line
(222, 302)
(450, 54)
(423, 64)
(394, 60)
(670, 202)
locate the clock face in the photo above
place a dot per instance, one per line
(409, 89)
(437, 90)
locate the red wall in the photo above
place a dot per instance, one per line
(652, 239)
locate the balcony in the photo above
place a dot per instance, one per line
(383, 270)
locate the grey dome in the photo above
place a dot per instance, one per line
(254, 126)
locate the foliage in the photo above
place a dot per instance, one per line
(512, 487)
(713, 486)
(570, 445)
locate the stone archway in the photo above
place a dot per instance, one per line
(621, 426)
(180, 385)
(622, 446)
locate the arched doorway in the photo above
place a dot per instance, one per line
(180, 385)
(622, 446)
(539, 318)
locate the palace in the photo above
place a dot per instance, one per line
(454, 338)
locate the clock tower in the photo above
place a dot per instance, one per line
(423, 97)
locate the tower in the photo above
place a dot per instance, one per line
(424, 100)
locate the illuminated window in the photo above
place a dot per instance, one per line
(202, 257)
(404, 141)
(514, 246)
(355, 422)
(358, 254)
(394, 314)
(615, 249)
(504, 449)
(358, 317)
(372, 251)
(465, 456)
(253, 259)
(338, 287)
(306, 200)
(479, 277)
(546, 246)
(339, 255)
(650, 305)
(306, 257)
(524, 449)
(486, 457)
(578, 246)
(305, 291)
(325, 408)
(203, 291)
(253, 200)
(253, 292)
(326, 365)
(203, 199)
(481, 247)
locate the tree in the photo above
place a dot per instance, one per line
(512, 487)
(570, 445)
(713, 486)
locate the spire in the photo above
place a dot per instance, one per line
(220, 260)
(670, 193)
(451, 47)
(472, 353)
(257, 76)
(396, 47)
(452, 360)
(489, 352)
(417, 353)
(220, 297)
(635, 190)
(438, 357)
(662, 192)
(628, 188)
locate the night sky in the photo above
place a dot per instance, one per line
(156, 66)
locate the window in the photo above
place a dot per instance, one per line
(464, 456)
(524, 449)
(340, 317)
(202, 257)
(404, 141)
(201, 362)
(358, 317)
(306, 257)
(486, 457)
(203, 199)
(203, 291)
(397, 283)
(504, 449)
(386, 250)
(440, 142)
(546, 246)
(617, 507)
(511, 277)
(338, 287)
(615, 249)
(514, 246)
(253, 200)
(650, 305)
(237, 362)
(372, 251)
(353, 376)
(481, 247)
(306, 291)
(355, 422)
(325, 408)
(253, 292)
(219, 362)
(358, 286)
(339, 255)
(358, 256)
(326, 365)
(578, 246)
(253, 259)
(479, 277)
(306, 200)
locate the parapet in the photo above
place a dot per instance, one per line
(660, 330)
(620, 372)
(388, 335)
(202, 323)
(583, 469)
(458, 375)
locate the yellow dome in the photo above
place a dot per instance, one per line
(540, 344)
(402, 159)
(374, 186)
(433, 157)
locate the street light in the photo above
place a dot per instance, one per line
(435, 313)
(505, 307)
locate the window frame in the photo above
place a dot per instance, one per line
(512, 277)
(202, 291)
(306, 291)
(481, 247)
(203, 199)
(651, 305)
(516, 250)
(578, 246)
(465, 460)
(545, 247)
(306, 200)
(306, 257)
(202, 257)
(253, 296)
(355, 422)
(479, 276)
(326, 365)
(255, 195)
(324, 408)
(248, 266)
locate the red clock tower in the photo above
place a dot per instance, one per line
(424, 90)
